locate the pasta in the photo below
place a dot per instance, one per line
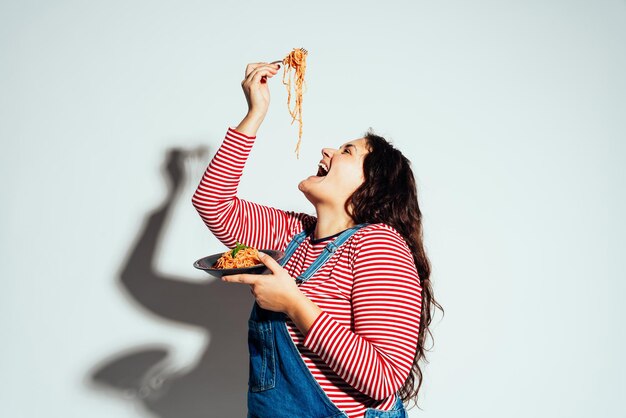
(238, 257)
(296, 61)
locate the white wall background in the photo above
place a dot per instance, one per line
(512, 112)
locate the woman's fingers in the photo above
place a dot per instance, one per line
(270, 263)
(241, 278)
(253, 69)
(254, 66)
(258, 73)
(262, 76)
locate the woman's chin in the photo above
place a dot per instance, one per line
(310, 181)
(307, 186)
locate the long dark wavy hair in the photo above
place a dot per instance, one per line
(389, 195)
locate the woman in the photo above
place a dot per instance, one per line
(338, 327)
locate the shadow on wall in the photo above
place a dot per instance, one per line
(216, 385)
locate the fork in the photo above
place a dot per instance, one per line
(304, 51)
(264, 78)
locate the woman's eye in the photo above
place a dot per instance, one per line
(346, 150)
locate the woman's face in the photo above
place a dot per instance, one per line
(340, 173)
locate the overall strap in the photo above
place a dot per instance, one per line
(328, 251)
(292, 246)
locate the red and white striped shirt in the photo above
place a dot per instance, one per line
(361, 348)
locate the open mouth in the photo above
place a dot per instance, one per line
(322, 170)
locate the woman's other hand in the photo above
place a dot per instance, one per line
(274, 292)
(279, 292)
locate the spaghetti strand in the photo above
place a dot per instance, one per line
(296, 61)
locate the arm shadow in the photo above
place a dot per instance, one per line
(215, 385)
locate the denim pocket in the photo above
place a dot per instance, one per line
(398, 411)
(262, 356)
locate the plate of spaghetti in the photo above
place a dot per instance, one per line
(237, 260)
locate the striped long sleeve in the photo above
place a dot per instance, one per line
(376, 356)
(232, 219)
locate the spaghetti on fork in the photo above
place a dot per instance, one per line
(296, 61)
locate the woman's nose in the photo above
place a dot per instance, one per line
(328, 152)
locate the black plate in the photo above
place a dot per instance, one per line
(206, 264)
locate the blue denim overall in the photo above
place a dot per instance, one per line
(280, 384)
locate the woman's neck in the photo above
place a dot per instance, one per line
(331, 221)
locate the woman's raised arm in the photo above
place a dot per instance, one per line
(228, 217)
